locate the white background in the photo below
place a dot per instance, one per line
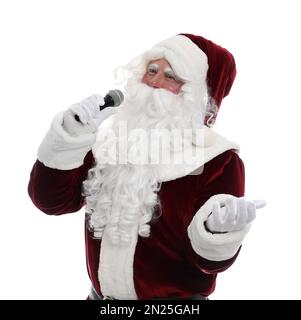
(55, 53)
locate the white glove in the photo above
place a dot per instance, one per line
(234, 215)
(89, 115)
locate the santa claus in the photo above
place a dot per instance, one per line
(163, 193)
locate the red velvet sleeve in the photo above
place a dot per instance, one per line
(56, 191)
(224, 174)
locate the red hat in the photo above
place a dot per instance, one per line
(221, 72)
(204, 63)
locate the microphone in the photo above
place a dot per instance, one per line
(113, 98)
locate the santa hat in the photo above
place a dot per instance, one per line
(205, 63)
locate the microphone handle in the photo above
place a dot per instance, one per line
(76, 117)
(109, 102)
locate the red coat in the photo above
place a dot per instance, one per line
(165, 264)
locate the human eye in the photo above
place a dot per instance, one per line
(170, 76)
(152, 69)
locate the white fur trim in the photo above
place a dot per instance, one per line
(60, 150)
(218, 246)
(212, 145)
(180, 49)
(115, 272)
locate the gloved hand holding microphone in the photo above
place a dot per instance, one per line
(84, 117)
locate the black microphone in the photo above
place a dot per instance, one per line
(113, 98)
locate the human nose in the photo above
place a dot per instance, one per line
(156, 81)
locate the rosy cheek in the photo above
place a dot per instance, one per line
(174, 88)
(145, 79)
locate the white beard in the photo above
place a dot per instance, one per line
(120, 196)
(150, 108)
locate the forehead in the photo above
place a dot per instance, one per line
(162, 63)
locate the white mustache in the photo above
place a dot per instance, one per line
(154, 103)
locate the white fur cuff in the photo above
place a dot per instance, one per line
(60, 150)
(218, 246)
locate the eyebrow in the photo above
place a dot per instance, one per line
(153, 65)
(168, 70)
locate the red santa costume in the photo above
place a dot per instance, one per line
(146, 236)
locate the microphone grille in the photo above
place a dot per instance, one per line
(117, 97)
